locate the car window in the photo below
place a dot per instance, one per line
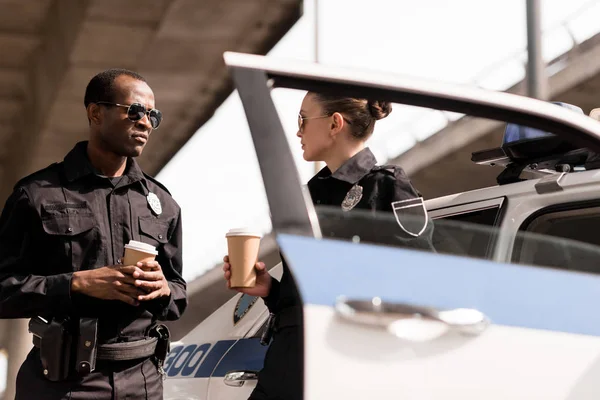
(459, 237)
(468, 243)
(577, 226)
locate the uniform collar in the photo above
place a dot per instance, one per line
(353, 170)
(77, 165)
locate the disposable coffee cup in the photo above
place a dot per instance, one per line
(243, 247)
(136, 252)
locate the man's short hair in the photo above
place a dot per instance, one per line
(101, 88)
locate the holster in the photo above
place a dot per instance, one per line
(57, 339)
(86, 346)
(54, 341)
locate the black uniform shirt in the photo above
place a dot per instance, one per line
(381, 185)
(67, 218)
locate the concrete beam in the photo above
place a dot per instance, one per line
(576, 80)
(17, 342)
(46, 71)
(183, 35)
(20, 16)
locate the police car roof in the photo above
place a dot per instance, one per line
(526, 148)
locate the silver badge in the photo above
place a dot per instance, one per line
(154, 203)
(352, 198)
(411, 216)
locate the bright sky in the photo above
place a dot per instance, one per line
(453, 41)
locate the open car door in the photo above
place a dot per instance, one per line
(388, 319)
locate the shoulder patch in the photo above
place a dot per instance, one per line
(157, 183)
(36, 174)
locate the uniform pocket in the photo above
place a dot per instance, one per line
(74, 238)
(154, 231)
(67, 225)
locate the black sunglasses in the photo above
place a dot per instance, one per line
(136, 112)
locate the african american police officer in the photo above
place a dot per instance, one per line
(62, 237)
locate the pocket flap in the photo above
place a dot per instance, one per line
(154, 228)
(68, 225)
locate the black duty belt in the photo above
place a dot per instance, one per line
(127, 350)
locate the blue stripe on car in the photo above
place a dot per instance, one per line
(208, 359)
(513, 295)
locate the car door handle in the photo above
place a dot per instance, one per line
(238, 378)
(377, 313)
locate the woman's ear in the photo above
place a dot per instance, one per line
(336, 124)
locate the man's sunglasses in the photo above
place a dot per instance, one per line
(136, 112)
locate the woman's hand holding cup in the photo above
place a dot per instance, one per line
(261, 288)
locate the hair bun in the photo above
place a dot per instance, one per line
(379, 109)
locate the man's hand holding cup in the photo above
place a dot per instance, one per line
(148, 274)
(152, 280)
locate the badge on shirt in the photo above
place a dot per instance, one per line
(154, 203)
(352, 198)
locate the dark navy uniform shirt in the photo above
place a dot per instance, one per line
(381, 186)
(67, 218)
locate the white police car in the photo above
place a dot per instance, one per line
(504, 307)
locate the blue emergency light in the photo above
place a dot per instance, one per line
(514, 133)
(536, 151)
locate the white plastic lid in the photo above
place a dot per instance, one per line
(243, 232)
(141, 246)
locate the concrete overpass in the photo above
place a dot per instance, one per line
(51, 49)
(574, 78)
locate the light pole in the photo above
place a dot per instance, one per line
(537, 81)
(317, 164)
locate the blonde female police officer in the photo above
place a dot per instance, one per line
(331, 129)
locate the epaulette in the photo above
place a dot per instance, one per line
(157, 183)
(391, 169)
(34, 175)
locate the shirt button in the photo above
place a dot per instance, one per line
(69, 229)
(160, 236)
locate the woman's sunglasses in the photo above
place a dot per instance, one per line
(301, 120)
(136, 112)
